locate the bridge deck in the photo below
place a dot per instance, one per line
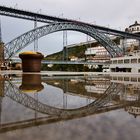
(12, 12)
(68, 62)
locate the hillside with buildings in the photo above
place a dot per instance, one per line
(81, 51)
(73, 52)
(93, 51)
(85, 51)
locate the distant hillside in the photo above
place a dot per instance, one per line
(55, 56)
(77, 51)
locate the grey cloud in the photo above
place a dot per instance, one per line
(113, 13)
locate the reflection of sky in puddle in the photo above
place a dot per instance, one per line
(117, 113)
(49, 95)
(54, 96)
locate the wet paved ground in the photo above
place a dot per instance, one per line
(40, 107)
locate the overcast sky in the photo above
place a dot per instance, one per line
(116, 14)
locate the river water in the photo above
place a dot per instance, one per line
(41, 107)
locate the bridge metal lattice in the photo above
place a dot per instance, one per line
(25, 39)
(15, 94)
(22, 14)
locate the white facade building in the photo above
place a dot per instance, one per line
(134, 28)
(131, 61)
(98, 51)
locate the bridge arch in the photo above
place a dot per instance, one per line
(13, 92)
(25, 39)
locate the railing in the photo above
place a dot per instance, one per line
(68, 62)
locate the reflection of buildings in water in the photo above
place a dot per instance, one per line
(104, 106)
(1, 86)
(133, 89)
(3, 78)
(97, 86)
(81, 86)
(31, 83)
(91, 88)
(131, 86)
(134, 110)
(97, 107)
(126, 79)
(100, 106)
(74, 81)
(131, 92)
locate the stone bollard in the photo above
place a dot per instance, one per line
(31, 61)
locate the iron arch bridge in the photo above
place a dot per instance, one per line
(25, 39)
(15, 94)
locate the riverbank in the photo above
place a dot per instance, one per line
(65, 73)
(51, 73)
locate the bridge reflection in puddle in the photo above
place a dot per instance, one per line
(31, 100)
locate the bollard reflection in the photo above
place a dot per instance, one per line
(31, 83)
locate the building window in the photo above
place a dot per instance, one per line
(120, 61)
(133, 79)
(133, 60)
(137, 28)
(114, 78)
(126, 78)
(126, 61)
(113, 69)
(120, 78)
(114, 61)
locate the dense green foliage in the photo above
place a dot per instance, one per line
(77, 51)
